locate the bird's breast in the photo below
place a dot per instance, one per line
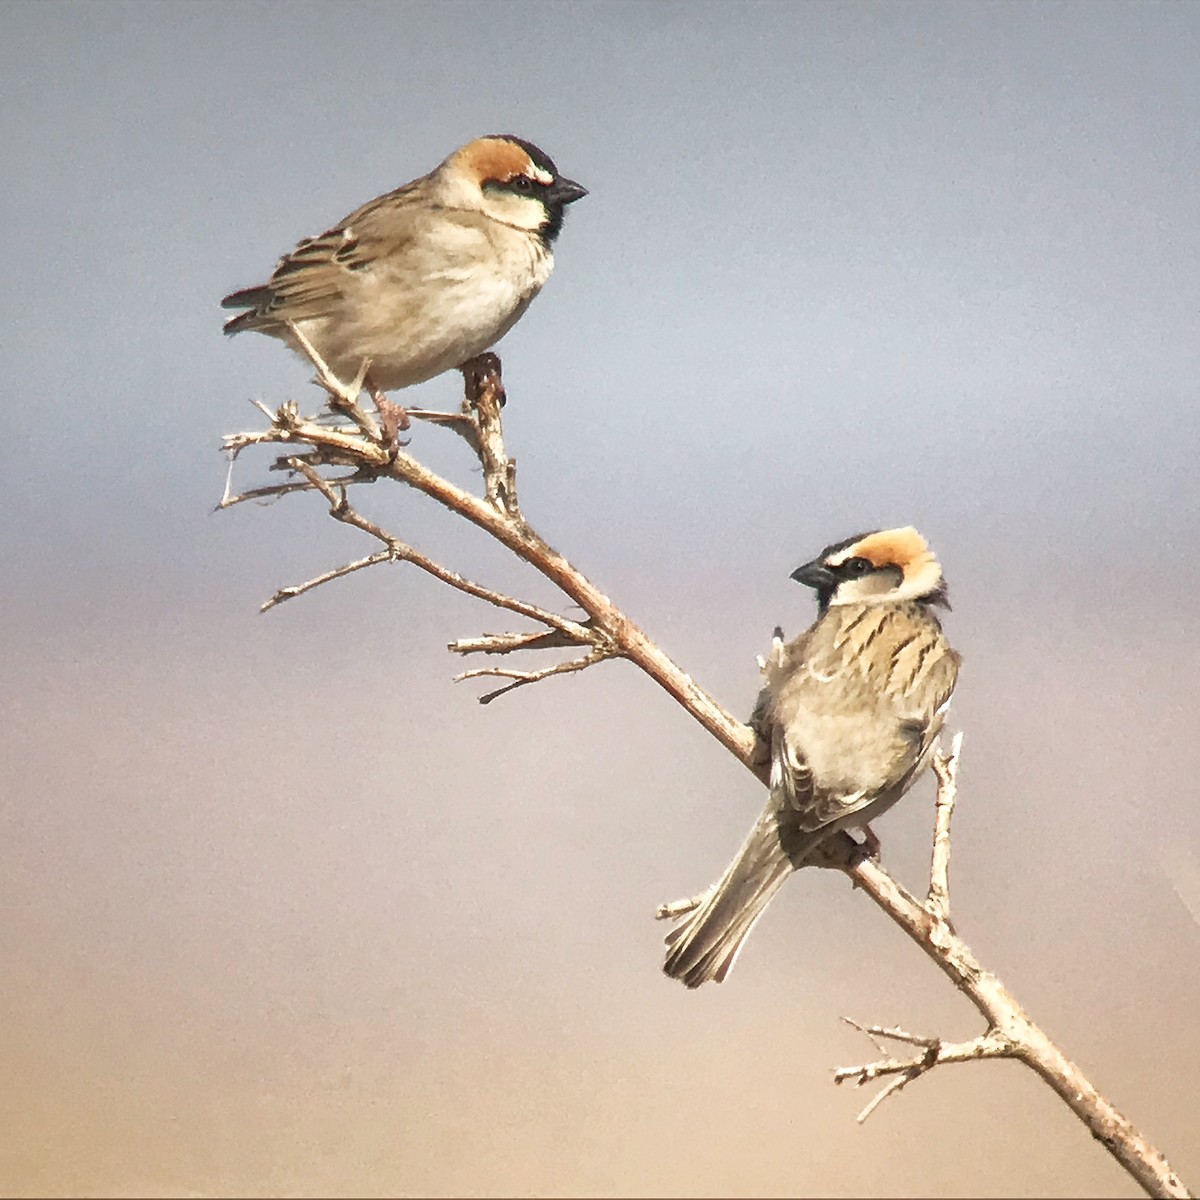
(431, 309)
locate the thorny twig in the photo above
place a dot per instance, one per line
(988, 1045)
(289, 593)
(571, 632)
(373, 452)
(506, 643)
(945, 768)
(605, 629)
(342, 398)
(902, 1071)
(520, 678)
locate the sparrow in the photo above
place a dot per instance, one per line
(425, 278)
(849, 714)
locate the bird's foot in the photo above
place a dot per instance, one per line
(481, 375)
(393, 419)
(870, 847)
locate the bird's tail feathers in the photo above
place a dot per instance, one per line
(253, 300)
(706, 943)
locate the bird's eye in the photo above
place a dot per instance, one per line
(855, 567)
(522, 184)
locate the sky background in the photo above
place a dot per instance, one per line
(284, 910)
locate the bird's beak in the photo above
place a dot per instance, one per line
(816, 576)
(565, 191)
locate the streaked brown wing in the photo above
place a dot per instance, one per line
(791, 779)
(309, 281)
(876, 681)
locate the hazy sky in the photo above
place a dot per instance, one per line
(284, 910)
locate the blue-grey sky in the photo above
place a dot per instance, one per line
(286, 911)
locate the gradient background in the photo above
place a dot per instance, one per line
(283, 910)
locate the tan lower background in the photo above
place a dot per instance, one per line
(276, 933)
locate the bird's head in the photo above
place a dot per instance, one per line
(875, 568)
(511, 181)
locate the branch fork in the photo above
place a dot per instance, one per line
(900, 1072)
(938, 930)
(327, 457)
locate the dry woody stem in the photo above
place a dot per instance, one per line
(349, 446)
(1009, 1032)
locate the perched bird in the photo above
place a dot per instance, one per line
(425, 278)
(850, 713)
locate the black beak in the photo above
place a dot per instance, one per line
(565, 191)
(816, 576)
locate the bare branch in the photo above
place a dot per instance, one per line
(500, 518)
(935, 1052)
(1006, 1018)
(332, 443)
(341, 509)
(678, 908)
(463, 423)
(610, 633)
(342, 397)
(945, 768)
(904, 1070)
(892, 1032)
(485, 397)
(506, 643)
(298, 589)
(521, 678)
(892, 1085)
(274, 491)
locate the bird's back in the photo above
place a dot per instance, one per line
(853, 706)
